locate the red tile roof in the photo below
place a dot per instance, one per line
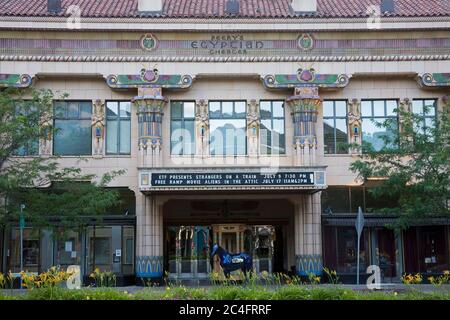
(216, 8)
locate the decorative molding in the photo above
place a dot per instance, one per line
(309, 263)
(149, 78)
(98, 126)
(148, 42)
(305, 77)
(149, 266)
(15, 80)
(305, 42)
(434, 79)
(275, 58)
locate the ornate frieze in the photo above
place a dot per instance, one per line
(15, 80)
(233, 45)
(223, 59)
(253, 126)
(305, 77)
(149, 78)
(202, 127)
(434, 79)
(98, 127)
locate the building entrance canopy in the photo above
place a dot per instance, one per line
(211, 179)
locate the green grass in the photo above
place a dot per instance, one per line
(224, 292)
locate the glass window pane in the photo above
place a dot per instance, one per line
(265, 109)
(214, 109)
(366, 108)
(176, 109)
(189, 137)
(86, 110)
(227, 109)
(278, 109)
(60, 109)
(341, 108)
(278, 136)
(112, 109)
(189, 110)
(328, 107)
(73, 110)
(125, 109)
(429, 122)
(239, 109)
(125, 136)
(391, 105)
(176, 138)
(73, 137)
(378, 108)
(266, 136)
(417, 107)
(328, 136)
(111, 136)
(373, 135)
(430, 107)
(341, 136)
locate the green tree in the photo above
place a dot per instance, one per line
(413, 167)
(54, 196)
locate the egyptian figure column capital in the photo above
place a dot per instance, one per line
(202, 127)
(253, 127)
(405, 105)
(354, 125)
(98, 126)
(46, 138)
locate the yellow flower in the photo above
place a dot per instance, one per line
(395, 293)
(446, 272)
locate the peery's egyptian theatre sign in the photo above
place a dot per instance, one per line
(226, 179)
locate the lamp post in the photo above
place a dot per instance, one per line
(21, 226)
(359, 224)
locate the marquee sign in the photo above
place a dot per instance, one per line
(223, 180)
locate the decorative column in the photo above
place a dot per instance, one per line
(304, 105)
(149, 249)
(253, 127)
(202, 128)
(354, 125)
(150, 104)
(308, 240)
(98, 126)
(46, 139)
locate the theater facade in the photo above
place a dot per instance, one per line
(232, 128)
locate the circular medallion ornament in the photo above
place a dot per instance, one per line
(305, 42)
(149, 75)
(148, 42)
